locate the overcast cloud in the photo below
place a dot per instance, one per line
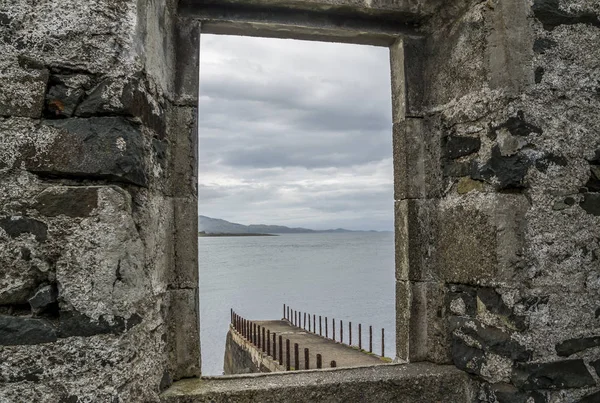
(295, 133)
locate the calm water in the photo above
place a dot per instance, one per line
(344, 276)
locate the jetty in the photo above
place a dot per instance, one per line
(299, 341)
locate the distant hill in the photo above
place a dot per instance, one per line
(217, 226)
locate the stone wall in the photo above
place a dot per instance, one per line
(497, 166)
(97, 301)
(242, 357)
(498, 232)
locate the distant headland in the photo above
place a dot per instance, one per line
(208, 226)
(202, 233)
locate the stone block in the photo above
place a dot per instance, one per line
(416, 238)
(183, 334)
(22, 92)
(16, 330)
(575, 345)
(25, 266)
(71, 201)
(107, 147)
(509, 47)
(17, 226)
(74, 324)
(185, 243)
(183, 156)
(552, 375)
(422, 333)
(128, 96)
(43, 297)
(188, 62)
(417, 167)
(102, 270)
(406, 67)
(481, 239)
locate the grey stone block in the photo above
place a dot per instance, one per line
(185, 243)
(422, 333)
(187, 54)
(183, 333)
(481, 239)
(417, 166)
(406, 67)
(412, 383)
(108, 147)
(22, 92)
(416, 239)
(183, 156)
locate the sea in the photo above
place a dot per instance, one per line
(347, 276)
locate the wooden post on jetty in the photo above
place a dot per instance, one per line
(306, 359)
(296, 357)
(360, 336)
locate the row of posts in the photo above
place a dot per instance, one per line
(305, 320)
(272, 344)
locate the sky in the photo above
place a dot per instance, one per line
(295, 133)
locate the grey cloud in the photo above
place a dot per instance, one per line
(288, 137)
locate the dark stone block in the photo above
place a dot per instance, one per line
(15, 226)
(517, 126)
(43, 297)
(69, 201)
(17, 330)
(107, 148)
(572, 346)
(552, 375)
(593, 398)
(539, 74)
(541, 45)
(460, 146)
(456, 169)
(503, 171)
(75, 324)
(548, 12)
(465, 357)
(491, 339)
(499, 342)
(591, 203)
(134, 102)
(506, 393)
